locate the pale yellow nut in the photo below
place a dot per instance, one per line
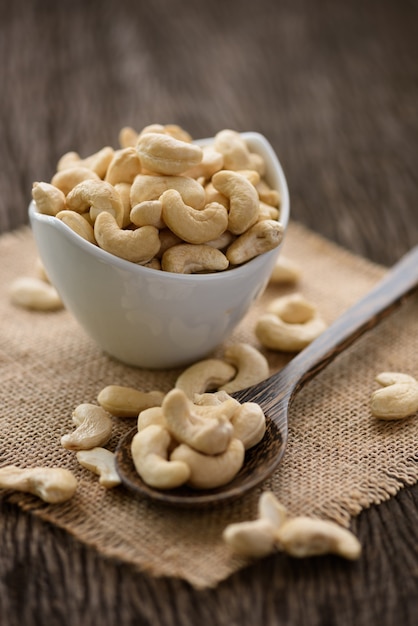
(101, 462)
(233, 148)
(34, 294)
(192, 225)
(51, 484)
(138, 246)
(96, 196)
(41, 271)
(292, 324)
(168, 129)
(397, 399)
(222, 242)
(154, 264)
(153, 415)
(123, 167)
(78, 224)
(164, 154)
(124, 191)
(49, 199)
(99, 161)
(254, 539)
(94, 428)
(127, 137)
(213, 195)
(249, 424)
(211, 471)
(285, 272)
(69, 178)
(126, 401)
(191, 258)
(303, 536)
(210, 434)
(267, 194)
(148, 212)
(251, 366)
(243, 200)
(267, 212)
(149, 449)
(152, 187)
(258, 239)
(251, 175)
(203, 376)
(271, 509)
(167, 240)
(69, 159)
(212, 161)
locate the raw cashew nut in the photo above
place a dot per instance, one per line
(192, 225)
(249, 423)
(243, 199)
(150, 456)
(253, 539)
(210, 435)
(78, 224)
(262, 237)
(234, 150)
(188, 258)
(204, 375)
(49, 200)
(152, 187)
(290, 324)
(123, 167)
(69, 178)
(127, 401)
(267, 194)
(285, 272)
(128, 137)
(210, 471)
(397, 399)
(124, 191)
(164, 154)
(138, 246)
(252, 366)
(35, 294)
(51, 484)
(148, 212)
(101, 462)
(94, 428)
(153, 415)
(96, 196)
(212, 161)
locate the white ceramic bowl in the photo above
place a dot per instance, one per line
(146, 317)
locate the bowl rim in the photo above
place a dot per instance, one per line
(123, 264)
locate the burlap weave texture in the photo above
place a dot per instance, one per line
(339, 458)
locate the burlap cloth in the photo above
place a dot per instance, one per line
(339, 458)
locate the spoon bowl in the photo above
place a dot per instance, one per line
(275, 394)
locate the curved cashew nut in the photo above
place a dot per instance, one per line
(291, 324)
(78, 224)
(398, 398)
(152, 187)
(169, 129)
(101, 462)
(192, 225)
(213, 195)
(210, 471)
(49, 199)
(243, 199)
(126, 401)
(138, 246)
(69, 178)
(152, 415)
(124, 191)
(212, 162)
(255, 538)
(188, 258)
(252, 366)
(149, 454)
(127, 137)
(123, 167)
(96, 196)
(203, 376)
(234, 150)
(210, 434)
(148, 212)
(97, 162)
(164, 154)
(285, 271)
(35, 294)
(51, 484)
(259, 238)
(94, 428)
(249, 423)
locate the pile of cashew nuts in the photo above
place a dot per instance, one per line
(164, 202)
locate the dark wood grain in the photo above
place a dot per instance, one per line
(334, 86)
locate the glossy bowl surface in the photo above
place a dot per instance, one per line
(146, 317)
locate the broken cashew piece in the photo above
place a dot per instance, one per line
(49, 199)
(252, 367)
(150, 456)
(126, 401)
(138, 246)
(51, 484)
(262, 237)
(34, 294)
(189, 258)
(210, 471)
(243, 199)
(397, 399)
(290, 324)
(204, 375)
(164, 154)
(94, 428)
(101, 462)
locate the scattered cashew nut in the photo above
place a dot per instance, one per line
(94, 428)
(126, 401)
(397, 399)
(35, 294)
(51, 484)
(101, 462)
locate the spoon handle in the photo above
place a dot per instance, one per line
(389, 293)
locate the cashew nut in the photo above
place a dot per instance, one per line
(290, 324)
(188, 258)
(398, 398)
(96, 196)
(127, 401)
(192, 225)
(152, 415)
(210, 435)
(256, 538)
(213, 195)
(94, 428)
(49, 199)
(210, 471)
(212, 161)
(124, 191)
(127, 137)
(69, 178)
(78, 224)
(123, 167)
(150, 456)
(243, 199)
(164, 154)
(204, 375)
(152, 187)
(35, 294)
(234, 150)
(148, 212)
(249, 423)
(285, 271)
(259, 238)
(101, 462)
(138, 246)
(51, 484)
(168, 129)
(252, 366)
(267, 194)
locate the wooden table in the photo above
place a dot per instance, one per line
(334, 86)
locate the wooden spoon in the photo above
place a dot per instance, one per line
(275, 394)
